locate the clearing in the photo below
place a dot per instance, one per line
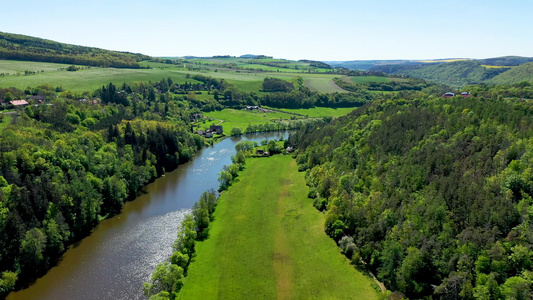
(267, 242)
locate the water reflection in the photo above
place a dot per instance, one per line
(120, 254)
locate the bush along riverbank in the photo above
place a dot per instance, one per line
(166, 280)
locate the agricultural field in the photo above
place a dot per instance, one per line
(93, 78)
(14, 67)
(368, 79)
(320, 112)
(230, 118)
(267, 242)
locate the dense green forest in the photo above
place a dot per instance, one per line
(67, 164)
(21, 47)
(500, 70)
(434, 195)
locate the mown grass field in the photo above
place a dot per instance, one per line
(240, 118)
(320, 112)
(14, 66)
(267, 242)
(93, 78)
(367, 79)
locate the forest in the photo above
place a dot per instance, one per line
(433, 195)
(68, 164)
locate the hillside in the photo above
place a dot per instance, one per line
(517, 74)
(26, 48)
(462, 72)
(436, 194)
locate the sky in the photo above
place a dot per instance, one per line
(334, 30)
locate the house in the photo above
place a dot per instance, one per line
(37, 98)
(448, 95)
(208, 134)
(196, 116)
(216, 129)
(465, 94)
(200, 132)
(19, 103)
(290, 149)
(259, 152)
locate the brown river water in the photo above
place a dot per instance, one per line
(121, 252)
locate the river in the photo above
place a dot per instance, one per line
(121, 252)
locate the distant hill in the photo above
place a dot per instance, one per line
(364, 65)
(22, 47)
(517, 74)
(464, 72)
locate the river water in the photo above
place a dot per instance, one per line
(121, 252)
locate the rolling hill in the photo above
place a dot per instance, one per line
(464, 72)
(26, 48)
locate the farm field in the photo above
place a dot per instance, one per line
(93, 78)
(320, 112)
(240, 118)
(367, 79)
(267, 242)
(13, 67)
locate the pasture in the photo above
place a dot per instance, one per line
(230, 118)
(267, 242)
(94, 77)
(320, 112)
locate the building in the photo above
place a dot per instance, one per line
(19, 103)
(465, 94)
(448, 95)
(216, 129)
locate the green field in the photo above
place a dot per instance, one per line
(240, 118)
(14, 67)
(267, 242)
(320, 112)
(93, 78)
(368, 79)
(5, 121)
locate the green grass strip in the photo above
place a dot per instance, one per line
(267, 242)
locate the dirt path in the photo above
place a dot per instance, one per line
(282, 259)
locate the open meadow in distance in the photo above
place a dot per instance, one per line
(320, 112)
(267, 241)
(94, 77)
(230, 118)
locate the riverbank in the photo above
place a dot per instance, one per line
(267, 241)
(122, 251)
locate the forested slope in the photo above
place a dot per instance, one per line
(436, 193)
(517, 74)
(21, 47)
(458, 73)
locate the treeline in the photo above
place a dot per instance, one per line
(167, 279)
(434, 195)
(20, 47)
(388, 86)
(67, 164)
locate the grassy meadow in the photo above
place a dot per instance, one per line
(368, 79)
(93, 78)
(267, 242)
(230, 118)
(320, 112)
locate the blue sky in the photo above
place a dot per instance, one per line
(319, 30)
